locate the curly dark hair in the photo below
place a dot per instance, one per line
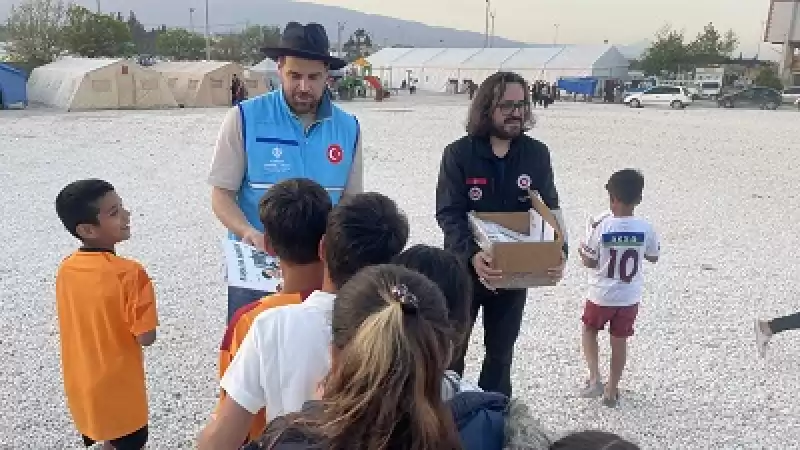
(488, 95)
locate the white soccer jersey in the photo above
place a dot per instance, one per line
(619, 244)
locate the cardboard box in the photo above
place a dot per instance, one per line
(525, 261)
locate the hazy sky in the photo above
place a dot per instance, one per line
(580, 21)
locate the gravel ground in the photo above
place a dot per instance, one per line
(719, 185)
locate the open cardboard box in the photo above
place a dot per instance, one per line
(524, 264)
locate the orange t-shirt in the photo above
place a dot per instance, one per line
(237, 329)
(104, 302)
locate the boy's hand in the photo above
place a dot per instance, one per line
(255, 238)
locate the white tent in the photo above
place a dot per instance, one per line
(600, 61)
(267, 70)
(485, 63)
(77, 84)
(410, 65)
(442, 73)
(381, 63)
(435, 68)
(531, 63)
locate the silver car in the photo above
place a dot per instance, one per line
(791, 95)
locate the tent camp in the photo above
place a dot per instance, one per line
(13, 87)
(438, 69)
(381, 63)
(442, 72)
(77, 84)
(531, 63)
(599, 61)
(200, 84)
(266, 71)
(410, 65)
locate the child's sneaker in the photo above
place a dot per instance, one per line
(762, 339)
(592, 390)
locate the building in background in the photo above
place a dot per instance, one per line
(783, 28)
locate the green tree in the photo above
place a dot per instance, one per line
(358, 45)
(256, 37)
(667, 53)
(710, 47)
(179, 43)
(35, 31)
(768, 77)
(96, 35)
(228, 48)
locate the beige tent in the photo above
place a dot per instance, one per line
(256, 84)
(77, 84)
(200, 84)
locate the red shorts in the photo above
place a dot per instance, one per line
(621, 318)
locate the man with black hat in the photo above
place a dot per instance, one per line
(291, 132)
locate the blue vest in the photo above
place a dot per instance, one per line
(277, 147)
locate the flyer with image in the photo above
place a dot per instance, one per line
(249, 268)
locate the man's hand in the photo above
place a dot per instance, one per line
(255, 238)
(482, 263)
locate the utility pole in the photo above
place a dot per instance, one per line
(339, 29)
(191, 20)
(486, 41)
(555, 36)
(208, 36)
(491, 36)
(98, 6)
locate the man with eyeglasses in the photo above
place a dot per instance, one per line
(490, 170)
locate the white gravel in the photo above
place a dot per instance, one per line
(721, 189)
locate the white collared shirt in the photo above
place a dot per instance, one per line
(283, 358)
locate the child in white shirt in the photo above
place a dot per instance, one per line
(615, 247)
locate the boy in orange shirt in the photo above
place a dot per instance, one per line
(106, 314)
(294, 213)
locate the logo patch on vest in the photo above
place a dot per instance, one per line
(335, 154)
(524, 181)
(475, 193)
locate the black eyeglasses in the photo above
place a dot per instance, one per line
(509, 106)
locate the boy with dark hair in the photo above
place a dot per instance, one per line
(294, 213)
(450, 274)
(106, 314)
(616, 245)
(286, 353)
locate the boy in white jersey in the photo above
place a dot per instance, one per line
(616, 245)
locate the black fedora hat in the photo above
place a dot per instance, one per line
(306, 42)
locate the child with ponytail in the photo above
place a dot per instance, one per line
(392, 342)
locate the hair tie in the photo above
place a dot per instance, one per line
(407, 300)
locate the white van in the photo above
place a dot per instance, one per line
(710, 89)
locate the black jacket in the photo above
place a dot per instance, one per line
(472, 178)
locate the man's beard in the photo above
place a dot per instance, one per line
(501, 133)
(308, 104)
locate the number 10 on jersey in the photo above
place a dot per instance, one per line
(623, 265)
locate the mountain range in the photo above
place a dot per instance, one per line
(233, 15)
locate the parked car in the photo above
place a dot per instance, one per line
(761, 97)
(791, 95)
(797, 104)
(676, 97)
